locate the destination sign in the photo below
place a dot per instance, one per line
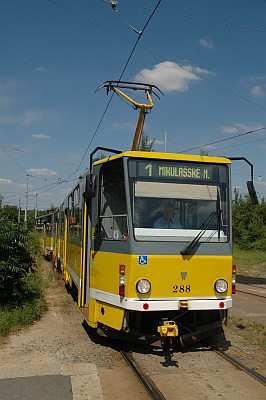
(177, 170)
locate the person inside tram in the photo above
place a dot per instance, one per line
(167, 219)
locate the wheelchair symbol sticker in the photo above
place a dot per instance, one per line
(143, 260)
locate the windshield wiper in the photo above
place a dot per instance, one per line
(186, 251)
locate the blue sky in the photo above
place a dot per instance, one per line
(208, 57)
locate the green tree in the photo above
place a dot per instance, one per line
(10, 212)
(146, 144)
(249, 223)
(16, 261)
(204, 152)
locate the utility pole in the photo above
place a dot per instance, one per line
(165, 141)
(36, 210)
(19, 210)
(27, 198)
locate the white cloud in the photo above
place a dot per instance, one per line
(31, 117)
(5, 103)
(9, 90)
(41, 69)
(169, 76)
(40, 136)
(229, 129)
(41, 171)
(257, 91)
(5, 181)
(124, 126)
(23, 185)
(13, 184)
(9, 85)
(27, 118)
(207, 43)
(238, 128)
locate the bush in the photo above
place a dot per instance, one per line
(17, 259)
(13, 317)
(249, 224)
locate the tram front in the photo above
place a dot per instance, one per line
(164, 229)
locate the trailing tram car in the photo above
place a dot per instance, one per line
(146, 239)
(45, 225)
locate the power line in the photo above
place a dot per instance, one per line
(121, 75)
(147, 50)
(223, 140)
(52, 185)
(35, 154)
(193, 17)
(211, 82)
(15, 161)
(88, 20)
(242, 144)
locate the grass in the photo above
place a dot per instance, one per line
(14, 317)
(250, 263)
(253, 333)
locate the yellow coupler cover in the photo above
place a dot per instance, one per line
(168, 329)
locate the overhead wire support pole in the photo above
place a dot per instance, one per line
(27, 199)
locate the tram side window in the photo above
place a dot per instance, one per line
(113, 215)
(74, 214)
(62, 221)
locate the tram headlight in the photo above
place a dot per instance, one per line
(143, 286)
(221, 286)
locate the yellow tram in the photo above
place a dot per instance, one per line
(46, 226)
(146, 238)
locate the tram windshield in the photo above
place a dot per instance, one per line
(175, 200)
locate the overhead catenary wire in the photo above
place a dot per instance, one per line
(223, 140)
(108, 104)
(37, 155)
(100, 27)
(114, 5)
(121, 76)
(40, 189)
(15, 161)
(197, 18)
(241, 144)
(161, 57)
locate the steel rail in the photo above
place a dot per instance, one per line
(149, 385)
(251, 294)
(240, 366)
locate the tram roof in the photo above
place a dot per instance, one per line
(166, 157)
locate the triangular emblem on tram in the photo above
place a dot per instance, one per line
(183, 275)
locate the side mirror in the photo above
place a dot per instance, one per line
(90, 187)
(252, 193)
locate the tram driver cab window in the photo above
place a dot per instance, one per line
(113, 215)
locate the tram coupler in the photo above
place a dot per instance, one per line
(167, 328)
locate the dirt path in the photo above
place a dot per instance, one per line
(58, 345)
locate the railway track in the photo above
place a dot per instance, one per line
(149, 385)
(241, 366)
(253, 290)
(153, 390)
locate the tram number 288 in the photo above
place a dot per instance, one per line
(181, 288)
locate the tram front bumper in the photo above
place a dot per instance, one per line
(166, 305)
